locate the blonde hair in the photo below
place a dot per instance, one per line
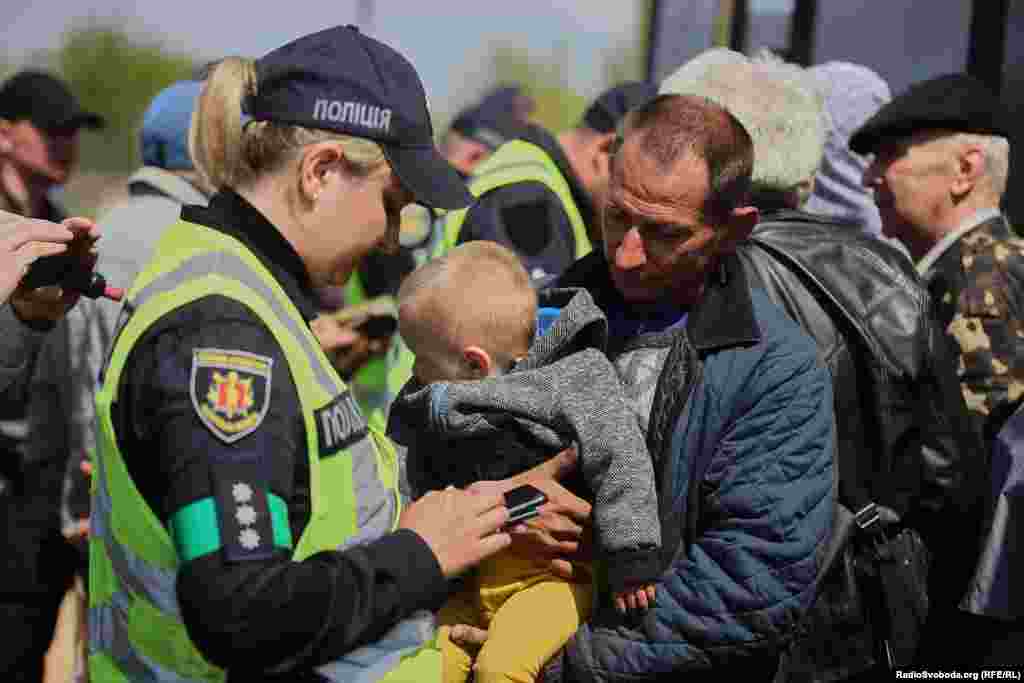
(228, 152)
(478, 293)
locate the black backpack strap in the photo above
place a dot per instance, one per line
(854, 481)
(892, 571)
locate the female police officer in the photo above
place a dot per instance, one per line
(245, 518)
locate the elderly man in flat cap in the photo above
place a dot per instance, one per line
(940, 169)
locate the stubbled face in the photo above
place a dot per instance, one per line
(656, 240)
(911, 178)
(47, 156)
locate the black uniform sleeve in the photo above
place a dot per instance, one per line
(248, 606)
(528, 218)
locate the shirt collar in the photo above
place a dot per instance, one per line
(231, 214)
(943, 245)
(706, 326)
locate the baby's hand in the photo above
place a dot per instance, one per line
(640, 597)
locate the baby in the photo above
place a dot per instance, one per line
(488, 401)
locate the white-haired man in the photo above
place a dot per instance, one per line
(940, 170)
(903, 434)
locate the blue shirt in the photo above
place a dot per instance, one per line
(626, 322)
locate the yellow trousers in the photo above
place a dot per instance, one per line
(528, 612)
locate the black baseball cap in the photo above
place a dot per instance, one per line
(958, 102)
(508, 100)
(341, 80)
(611, 105)
(45, 102)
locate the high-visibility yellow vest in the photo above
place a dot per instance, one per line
(369, 383)
(136, 631)
(518, 161)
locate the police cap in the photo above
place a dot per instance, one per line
(341, 80)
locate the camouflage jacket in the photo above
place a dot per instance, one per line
(977, 290)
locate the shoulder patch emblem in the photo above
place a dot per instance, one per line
(230, 391)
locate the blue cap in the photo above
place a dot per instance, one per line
(165, 127)
(341, 80)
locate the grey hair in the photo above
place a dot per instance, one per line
(777, 102)
(996, 150)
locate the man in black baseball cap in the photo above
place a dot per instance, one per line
(539, 194)
(940, 169)
(479, 130)
(39, 123)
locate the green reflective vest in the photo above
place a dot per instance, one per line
(135, 627)
(516, 162)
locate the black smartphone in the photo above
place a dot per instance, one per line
(523, 503)
(65, 270)
(378, 326)
(49, 270)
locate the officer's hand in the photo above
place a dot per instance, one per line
(52, 302)
(462, 528)
(348, 349)
(562, 530)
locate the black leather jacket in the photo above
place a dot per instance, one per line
(904, 438)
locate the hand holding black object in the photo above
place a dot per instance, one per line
(462, 528)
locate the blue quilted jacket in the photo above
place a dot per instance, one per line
(759, 424)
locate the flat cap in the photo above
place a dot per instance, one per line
(957, 102)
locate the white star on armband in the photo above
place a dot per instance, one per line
(242, 492)
(245, 514)
(249, 539)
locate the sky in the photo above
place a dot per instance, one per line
(447, 40)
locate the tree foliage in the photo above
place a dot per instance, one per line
(116, 75)
(546, 80)
(624, 62)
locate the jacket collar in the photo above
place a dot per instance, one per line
(153, 180)
(547, 142)
(229, 213)
(723, 318)
(942, 246)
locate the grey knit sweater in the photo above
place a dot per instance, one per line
(564, 392)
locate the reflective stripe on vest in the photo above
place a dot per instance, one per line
(135, 625)
(516, 162)
(370, 381)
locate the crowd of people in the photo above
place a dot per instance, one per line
(751, 339)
